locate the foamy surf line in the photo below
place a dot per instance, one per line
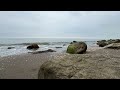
(20, 48)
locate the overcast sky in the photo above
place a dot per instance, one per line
(83, 24)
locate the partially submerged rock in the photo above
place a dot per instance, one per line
(77, 48)
(58, 47)
(11, 47)
(50, 50)
(64, 44)
(33, 46)
(37, 52)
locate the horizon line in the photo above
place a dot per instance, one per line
(64, 37)
(55, 37)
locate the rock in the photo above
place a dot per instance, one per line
(80, 67)
(113, 46)
(50, 50)
(117, 41)
(64, 44)
(58, 47)
(73, 42)
(77, 48)
(37, 52)
(103, 43)
(112, 41)
(33, 46)
(10, 47)
(57, 70)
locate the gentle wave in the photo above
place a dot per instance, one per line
(22, 47)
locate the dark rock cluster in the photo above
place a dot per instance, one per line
(103, 43)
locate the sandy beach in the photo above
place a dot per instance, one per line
(23, 66)
(60, 45)
(26, 66)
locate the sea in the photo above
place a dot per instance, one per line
(20, 44)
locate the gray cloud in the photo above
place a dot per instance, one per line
(89, 24)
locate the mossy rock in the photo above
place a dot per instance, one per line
(77, 48)
(71, 49)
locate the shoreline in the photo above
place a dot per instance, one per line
(26, 66)
(19, 49)
(90, 48)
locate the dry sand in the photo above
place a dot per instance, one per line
(26, 66)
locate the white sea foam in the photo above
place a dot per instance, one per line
(21, 48)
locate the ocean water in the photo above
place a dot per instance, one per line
(21, 44)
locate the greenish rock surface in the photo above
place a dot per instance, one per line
(77, 48)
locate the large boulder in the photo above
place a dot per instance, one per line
(58, 68)
(33, 46)
(81, 66)
(113, 46)
(77, 48)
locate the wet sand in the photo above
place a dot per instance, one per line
(26, 66)
(22, 66)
